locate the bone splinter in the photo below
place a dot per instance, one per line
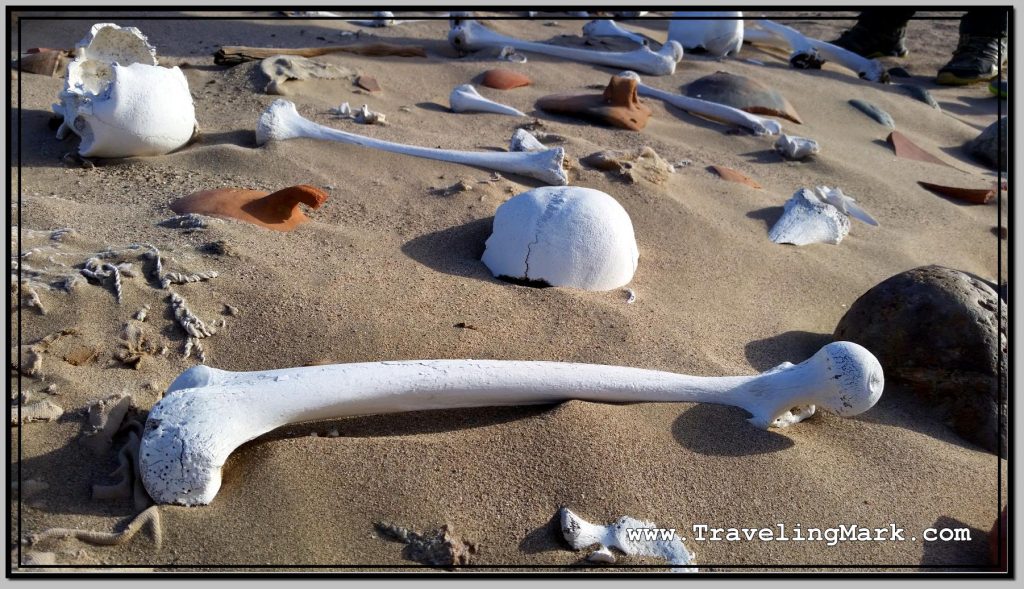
(207, 413)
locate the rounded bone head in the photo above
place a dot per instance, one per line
(564, 236)
(856, 375)
(279, 122)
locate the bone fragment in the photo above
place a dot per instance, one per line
(796, 148)
(580, 534)
(39, 411)
(810, 53)
(465, 98)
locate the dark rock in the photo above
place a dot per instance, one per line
(879, 115)
(898, 72)
(990, 146)
(920, 94)
(937, 333)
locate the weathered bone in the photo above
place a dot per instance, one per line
(281, 122)
(713, 110)
(580, 534)
(465, 98)
(207, 412)
(523, 140)
(808, 53)
(718, 36)
(469, 35)
(609, 28)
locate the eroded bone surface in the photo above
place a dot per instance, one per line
(281, 121)
(580, 534)
(563, 236)
(465, 98)
(807, 218)
(119, 101)
(719, 36)
(469, 35)
(207, 413)
(792, 147)
(282, 68)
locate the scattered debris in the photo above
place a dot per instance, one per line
(39, 411)
(630, 296)
(633, 165)
(435, 548)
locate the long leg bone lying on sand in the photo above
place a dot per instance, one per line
(712, 110)
(469, 35)
(207, 413)
(281, 121)
(807, 53)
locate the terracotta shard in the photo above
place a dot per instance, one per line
(618, 106)
(978, 196)
(742, 93)
(906, 148)
(368, 83)
(734, 176)
(503, 79)
(279, 211)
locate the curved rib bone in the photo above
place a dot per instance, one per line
(465, 98)
(609, 28)
(713, 110)
(810, 53)
(207, 413)
(281, 122)
(469, 35)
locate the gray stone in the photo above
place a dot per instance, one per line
(990, 146)
(938, 336)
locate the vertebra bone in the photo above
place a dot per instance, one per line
(281, 122)
(713, 110)
(469, 35)
(465, 98)
(207, 413)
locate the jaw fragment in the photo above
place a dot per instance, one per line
(810, 53)
(469, 35)
(719, 37)
(580, 534)
(281, 121)
(465, 98)
(207, 413)
(609, 28)
(713, 110)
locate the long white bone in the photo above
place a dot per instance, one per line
(811, 53)
(469, 35)
(465, 98)
(609, 28)
(207, 413)
(281, 122)
(758, 125)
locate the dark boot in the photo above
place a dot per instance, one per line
(976, 59)
(871, 42)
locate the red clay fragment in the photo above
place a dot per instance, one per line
(617, 106)
(368, 83)
(278, 211)
(503, 79)
(978, 196)
(906, 148)
(734, 176)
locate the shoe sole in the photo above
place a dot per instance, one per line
(951, 79)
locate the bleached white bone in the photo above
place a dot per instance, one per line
(207, 413)
(605, 27)
(845, 203)
(523, 140)
(811, 53)
(580, 534)
(718, 36)
(281, 122)
(758, 125)
(465, 98)
(796, 148)
(469, 35)
(383, 18)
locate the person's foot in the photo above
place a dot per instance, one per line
(869, 43)
(976, 59)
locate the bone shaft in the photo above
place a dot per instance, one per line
(704, 108)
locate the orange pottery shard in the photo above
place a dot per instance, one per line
(279, 211)
(503, 79)
(617, 106)
(906, 148)
(742, 93)
(368, 83)
(734, 176)
(978, 196)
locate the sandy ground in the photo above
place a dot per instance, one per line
(390, 265)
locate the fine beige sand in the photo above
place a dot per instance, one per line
(389, 267)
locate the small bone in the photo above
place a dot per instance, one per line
(796, 148)
(281, 122)
(609, 28)
(344, 111)
(810, 53)
(580, 534)
(365, 116)
(207, 412)
(713, 110)
(523, 140)
(469, 35)
(39, 411)
(465, 98)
